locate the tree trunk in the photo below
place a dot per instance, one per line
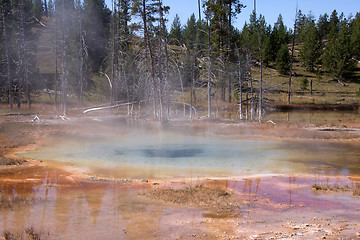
(56, 64)
(228, 52)
(223, 90)
(113, 54)
(45, 9)
(82, 49)
(260, 87)
(164, 60)
(7, 53)
(192, 90)
(152, 64)
(229, 87)
(64, 59)
(209, 70)
(199, 6)
(240, 86)
(26, 67)
(292, 58)
(251, 95)
(20, 51)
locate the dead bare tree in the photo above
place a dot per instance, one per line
(81, 53)
(240, 82)
(64, 55)
(7, 53)
(292, 56)
(20, 44)
(56, 63)
(209, 68)
(164, 62)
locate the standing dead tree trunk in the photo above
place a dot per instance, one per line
(192, 84)
(64, 60)
(82, 51)
(113, 67)
(260, 83)
(199, 7)
(209, 70)
(165, 56)
(23, 69)
(56, 63)
(292, 58)
(149, 52)
(261, 67)
(7, 53)
(240, 85)
(20, 44)
(229, 26)
(252, 115)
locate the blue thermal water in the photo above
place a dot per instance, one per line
(172, 154)
(165, 150)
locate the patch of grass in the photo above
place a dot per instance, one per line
(7, 235)
(9, 161)
(355, 190)
(216, 199)
(30, 234)
(13, 202)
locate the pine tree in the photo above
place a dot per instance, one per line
(176, 34)
(37, 9)
(334, 21)
(96, 26)
(355, 36)
(311, 49)
(338, 57)
(283, 60)
(300, 26)
(278, 37)
(151, 13)
(221, 14)
(323, 26)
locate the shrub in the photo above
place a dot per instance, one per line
(304, 83)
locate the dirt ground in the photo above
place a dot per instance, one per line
(263, 207)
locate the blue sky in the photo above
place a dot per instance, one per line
(269, 8)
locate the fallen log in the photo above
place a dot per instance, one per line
(105, 108)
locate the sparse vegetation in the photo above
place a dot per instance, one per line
(10, 161)
(13, 202)
(355, 190)
(216, 199)
(28, 234)
(304, 83)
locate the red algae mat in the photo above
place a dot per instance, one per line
(66, 206)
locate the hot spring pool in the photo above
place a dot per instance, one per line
(171, 154)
